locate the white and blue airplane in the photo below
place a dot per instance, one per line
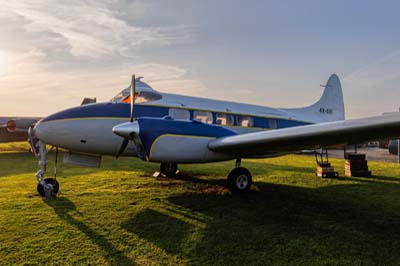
(174, 129)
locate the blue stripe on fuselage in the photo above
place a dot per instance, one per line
(118, 110)
(122, 110)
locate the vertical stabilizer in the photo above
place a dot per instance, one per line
(329, 108)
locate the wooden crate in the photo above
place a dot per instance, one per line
(356, 165)
(358, 173)
(354, 156)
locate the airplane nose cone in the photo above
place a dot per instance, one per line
(125, 130)
(37, 130)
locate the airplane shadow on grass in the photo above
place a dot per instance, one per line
(281, 223)
(373, 179)
(64, 208)
(345, 223)
(165, 231)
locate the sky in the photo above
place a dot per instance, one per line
(272, 53)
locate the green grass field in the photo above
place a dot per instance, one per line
(121, 215)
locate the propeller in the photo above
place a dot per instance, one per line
(133, 96)
(129, 130)
(124, 144)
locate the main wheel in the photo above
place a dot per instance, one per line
(53, 182)
(239, 180)
(169, 169)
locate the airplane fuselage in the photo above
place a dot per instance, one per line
(177, 128)
(88, 128)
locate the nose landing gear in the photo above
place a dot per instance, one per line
(47, 187)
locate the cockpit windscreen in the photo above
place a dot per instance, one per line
(140, 97)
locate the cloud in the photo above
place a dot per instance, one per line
(89, 28)
(374, 88)
(34, 88)
(61, 51)
(383, 70)
(172, 79)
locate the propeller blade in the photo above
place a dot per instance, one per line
(130, 132)
(133, 91)
(123, 147)
(127, 130)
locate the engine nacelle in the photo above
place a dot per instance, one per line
(11, 126)
(19, 125)
(180, 141)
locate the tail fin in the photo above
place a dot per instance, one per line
(329, 108)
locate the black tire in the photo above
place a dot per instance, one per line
(169, 169)
(239, 180)
(53, 182)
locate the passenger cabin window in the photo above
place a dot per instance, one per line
(245, 121)
(272, 124)
(205, 117)
(179, 114)
(224, 119)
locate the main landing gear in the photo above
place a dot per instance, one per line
(46, 187)
(239, 179)
(169, 169)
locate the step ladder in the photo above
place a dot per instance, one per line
(324, 168)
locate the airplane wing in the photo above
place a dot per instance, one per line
(309, 137)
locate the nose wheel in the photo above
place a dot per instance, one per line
(50, 190)
(46, 187)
